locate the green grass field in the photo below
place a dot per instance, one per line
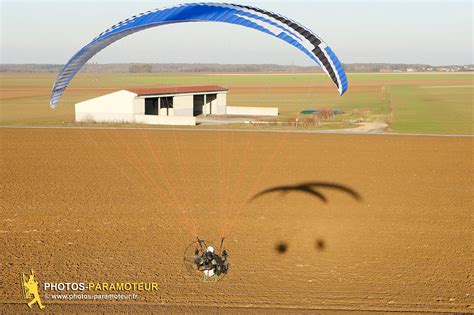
(409, 103)
(433, 109)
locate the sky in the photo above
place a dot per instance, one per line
(403, 31)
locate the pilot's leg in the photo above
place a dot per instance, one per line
(41, 306)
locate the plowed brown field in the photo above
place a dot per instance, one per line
(112, 205)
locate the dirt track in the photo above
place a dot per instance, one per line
(94, 206)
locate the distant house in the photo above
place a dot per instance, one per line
(163, 106)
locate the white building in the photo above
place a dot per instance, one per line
(163, 106)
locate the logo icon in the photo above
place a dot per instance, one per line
(30, 289)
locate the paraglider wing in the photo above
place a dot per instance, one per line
(251, 17)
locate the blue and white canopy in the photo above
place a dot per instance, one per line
(251, 17)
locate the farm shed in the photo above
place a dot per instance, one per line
(163, 106)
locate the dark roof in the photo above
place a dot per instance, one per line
(178, 90)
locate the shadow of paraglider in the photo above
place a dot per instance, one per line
(312, 188)
(281, 247)
(320, 245)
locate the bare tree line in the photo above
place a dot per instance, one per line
(219, 68)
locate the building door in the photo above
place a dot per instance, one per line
(166, 106)
(211, 100)
(198, 105)
(151, 106)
